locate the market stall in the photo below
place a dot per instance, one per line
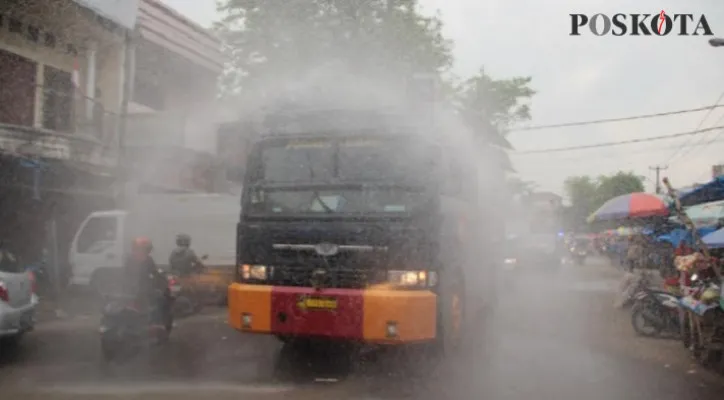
(701, 317)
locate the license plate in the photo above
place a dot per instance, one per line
(317, 303)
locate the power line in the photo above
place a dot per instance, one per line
(713, 139)
(701, 123)
(688, 148)
(658, 170)
(622, 142)
(620, 119)
(621, 153)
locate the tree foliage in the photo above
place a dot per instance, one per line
(587, 194)
(494, 105)
(286, 39)
(271, 41)
(618, 184)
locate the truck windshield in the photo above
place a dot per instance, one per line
(360, 159)
(355, 201)
(384, 168)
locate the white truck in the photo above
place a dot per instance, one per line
(103, 240)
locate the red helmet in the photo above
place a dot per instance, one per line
(142, 244)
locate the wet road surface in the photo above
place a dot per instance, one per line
(555, 335)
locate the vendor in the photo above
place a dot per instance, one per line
(634, 253)
(683, 249)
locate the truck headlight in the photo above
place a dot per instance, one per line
(253, 272)
(412, 278)
(510, 261)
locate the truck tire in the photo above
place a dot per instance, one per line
(451, 317)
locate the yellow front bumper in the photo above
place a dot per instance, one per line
(370, 315)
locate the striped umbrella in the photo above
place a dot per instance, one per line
(632, 205)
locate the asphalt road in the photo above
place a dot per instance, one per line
(555, 335)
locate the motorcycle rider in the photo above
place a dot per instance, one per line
(148, 283)
(183, 260)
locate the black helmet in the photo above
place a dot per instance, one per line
(183, 240)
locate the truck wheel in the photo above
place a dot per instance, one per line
(450, 318)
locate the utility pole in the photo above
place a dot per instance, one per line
(129, 69)
(658, 169)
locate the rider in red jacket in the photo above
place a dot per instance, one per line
(149, 284)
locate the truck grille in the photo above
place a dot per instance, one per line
(303, 276)
(346, 270)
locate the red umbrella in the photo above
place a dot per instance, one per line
(632, 205)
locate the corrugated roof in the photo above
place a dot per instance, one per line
(166, 27)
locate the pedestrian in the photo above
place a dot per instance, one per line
(634, 253)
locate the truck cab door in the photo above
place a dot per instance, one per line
(98, 244)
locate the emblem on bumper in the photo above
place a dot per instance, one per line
(326, 249)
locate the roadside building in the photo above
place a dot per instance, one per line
(61, 80)
(173, 113)
(64, 68)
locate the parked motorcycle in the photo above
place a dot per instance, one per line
(703, 340)
(655, 312)
(631, 286)
(126, 328)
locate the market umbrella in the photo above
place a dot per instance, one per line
(707, 213)
(706, 193)
(632, 205)
(676, 236)
(714, 240)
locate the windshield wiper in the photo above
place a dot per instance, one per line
(315, 192)
(316, 196)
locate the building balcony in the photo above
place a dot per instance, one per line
(69, 127)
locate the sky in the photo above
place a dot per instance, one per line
(588, 78)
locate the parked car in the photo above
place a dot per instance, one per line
(17, 299)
